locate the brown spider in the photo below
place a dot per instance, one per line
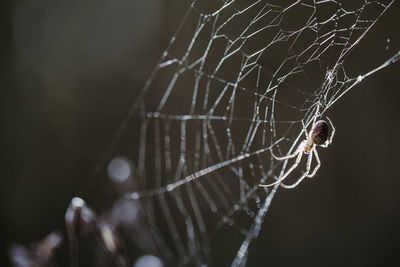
(318, 136)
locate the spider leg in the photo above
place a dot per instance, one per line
(305, 174)
(333, 131)
(294, 154)
(332, 134)
(304, 129)
(316, 114)
(316, 167)
(313, 123)
(300, 154)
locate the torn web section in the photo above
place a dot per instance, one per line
(236, 80)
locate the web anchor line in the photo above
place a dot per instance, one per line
(355, 81)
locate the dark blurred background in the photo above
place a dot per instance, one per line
(70, 71)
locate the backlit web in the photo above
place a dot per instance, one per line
(235, 82)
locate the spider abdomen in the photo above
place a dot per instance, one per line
(320, 133)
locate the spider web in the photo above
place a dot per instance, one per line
(236, 81)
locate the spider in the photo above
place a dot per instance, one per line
(318, 136)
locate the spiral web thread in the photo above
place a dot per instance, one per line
(235, 82)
